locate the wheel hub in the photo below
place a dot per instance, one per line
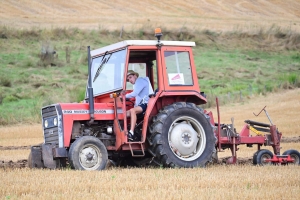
(184, 139)
(187, 138)
(89, 157)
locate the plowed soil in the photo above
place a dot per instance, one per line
(12, 164)
(14, 147)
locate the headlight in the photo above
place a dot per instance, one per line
(46, 123)
(55, 121)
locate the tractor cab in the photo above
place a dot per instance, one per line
(168, 65)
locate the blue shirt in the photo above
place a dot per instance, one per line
(140, 91)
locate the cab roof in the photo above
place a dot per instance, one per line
(139, 43)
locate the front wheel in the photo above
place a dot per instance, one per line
(88, 153)
(182, 136)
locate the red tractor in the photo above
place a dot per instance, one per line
(173, 131)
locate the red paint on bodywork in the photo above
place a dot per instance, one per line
(103, 111)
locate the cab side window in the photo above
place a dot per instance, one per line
(178, 68)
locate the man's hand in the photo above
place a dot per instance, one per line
(123, 92)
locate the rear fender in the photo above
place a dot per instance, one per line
(170, 97)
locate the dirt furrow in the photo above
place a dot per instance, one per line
(290, 139)
(14, 147)
(11, 164)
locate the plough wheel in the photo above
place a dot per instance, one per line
(294, 155)
(259, 158)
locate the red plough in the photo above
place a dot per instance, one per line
(266, 134)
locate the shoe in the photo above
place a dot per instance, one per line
(130, 136)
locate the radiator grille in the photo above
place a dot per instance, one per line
(49, 114)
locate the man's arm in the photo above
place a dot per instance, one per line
(138, 86)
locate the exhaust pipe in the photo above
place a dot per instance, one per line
(90, 88)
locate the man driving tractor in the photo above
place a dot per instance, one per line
(141, 94)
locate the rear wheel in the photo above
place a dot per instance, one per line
(88, 153)
(261, 156)
(182, 136)
(294, 154)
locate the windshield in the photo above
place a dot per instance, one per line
(108, 72)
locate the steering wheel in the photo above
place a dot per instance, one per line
(129, 101)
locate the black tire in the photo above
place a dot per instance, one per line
(259, 158)
(293, 154)
(88, 153)
(181, 135)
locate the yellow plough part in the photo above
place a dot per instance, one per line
(255, 131)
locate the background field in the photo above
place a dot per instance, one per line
(230, 65)
(221, 15)
(247, 54)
